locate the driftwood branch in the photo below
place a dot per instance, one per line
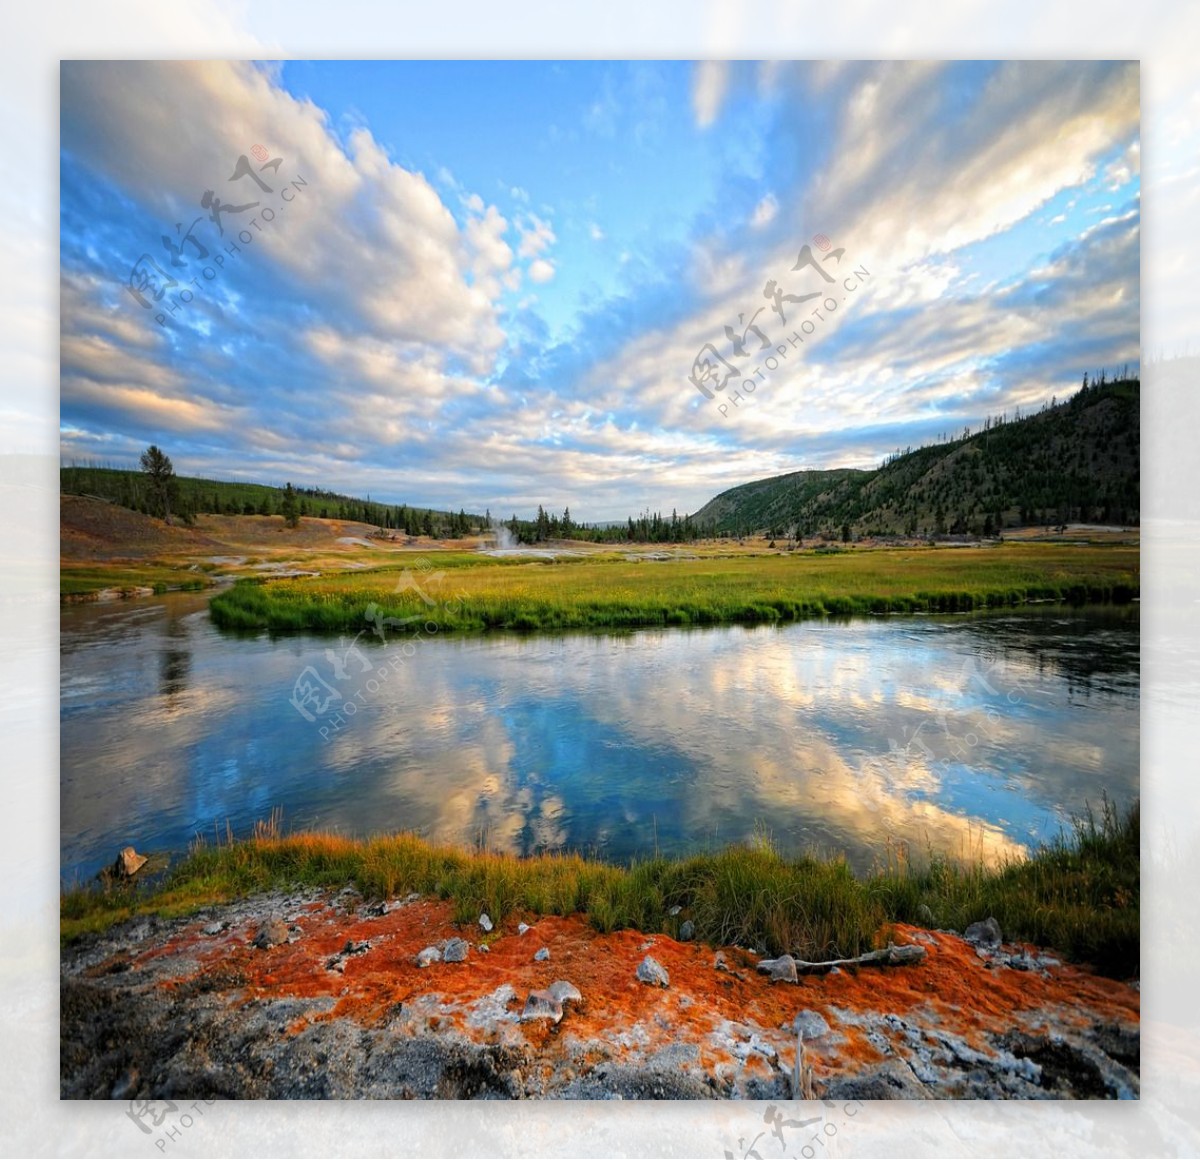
(786, 969)
(891, 956)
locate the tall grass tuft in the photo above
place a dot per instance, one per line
(1078, 894)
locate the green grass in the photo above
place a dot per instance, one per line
(478, 592)
(1079, 894)
(85, 579)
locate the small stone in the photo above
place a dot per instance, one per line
(986, 933)
(542, 955)
(128, 863)
(811, 1023)
(652, 972)
(564, 992)
(456, 951)
(353, 948)
(674, 910)
(485, 922)
(214, 928)
(780, 970)
(720, 963)
(487, 950)
(337, 963)
(522, 927)
(272, 933)
(377, 909)
(542, 1005)
(687, 931)
(924, 915)
(429, 955)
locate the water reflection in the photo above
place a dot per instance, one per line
(966, 735)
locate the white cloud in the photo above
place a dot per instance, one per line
(365, 233)
(541, 270)
(764, 212)
(709, 84)
(536, 236)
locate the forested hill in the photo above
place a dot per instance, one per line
(193, 496)
(1075, 461)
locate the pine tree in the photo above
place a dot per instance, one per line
(288, 508)
(161, 477)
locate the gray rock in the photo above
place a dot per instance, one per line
(456, 951)
(483, 948)
(485, 922)
(522, 927)
(272, 933)
(377, 909)
(429, 955)
(651, 971)
(215, 927)
(780, 970)
(674, 910)
(720, 963)
(353, 948)
(542, 1005)
(986, 933)
(687, 931)
(925, 915)
(542, 955)
(811, 1023)
(564, 992)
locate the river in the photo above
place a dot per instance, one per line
(974, 735)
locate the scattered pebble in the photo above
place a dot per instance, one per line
(542, 1005)
(986, 933)
(272, 933)
(456, 951)
(687, 931)
(780, 970)
(428, 955)
(485, 922)
(811, 1023)
(652, 972)
(564, 991)
(542, 955)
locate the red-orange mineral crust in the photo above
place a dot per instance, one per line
(342, 1010)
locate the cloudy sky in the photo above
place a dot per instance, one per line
(487, 284)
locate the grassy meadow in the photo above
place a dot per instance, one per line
(478, 592)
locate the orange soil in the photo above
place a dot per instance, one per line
(954, 988)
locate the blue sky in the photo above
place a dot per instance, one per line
(485, 284)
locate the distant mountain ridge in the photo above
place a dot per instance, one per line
(1074, 461)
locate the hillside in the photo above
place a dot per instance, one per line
(1077, 461)
(195, 496)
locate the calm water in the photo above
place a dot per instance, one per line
(960, 734)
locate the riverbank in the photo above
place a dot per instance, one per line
(459, 591)
(334, 994)
(314, 966)
(1079, 894)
